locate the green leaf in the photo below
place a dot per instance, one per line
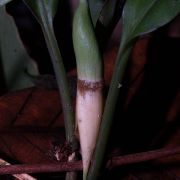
(110, 11)
(108, 19)
(3, 2)
(14, 58)
(140, 17)
(95, 7)
(43, 9)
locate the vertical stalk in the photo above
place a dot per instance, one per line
(64, 91)
(45, 12)
(89, 100)
(109, 110)
(47, 27)
(62, 81)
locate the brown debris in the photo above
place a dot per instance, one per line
(77, 166)
(83, 86)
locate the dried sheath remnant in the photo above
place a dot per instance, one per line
(84, 85)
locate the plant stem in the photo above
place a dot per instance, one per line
(88, 56)
(72, 175)
(109, 110)
(64, 91)
(89, 99)
(62, 82)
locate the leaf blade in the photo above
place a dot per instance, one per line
(14, 59)
(96, 7)
(4, 2)
(43, 8)
(140, 17)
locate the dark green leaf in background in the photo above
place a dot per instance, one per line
(110, 11)
(3, 2)
(43, 9)
(14, 60)
(95, 7)
(108, 18)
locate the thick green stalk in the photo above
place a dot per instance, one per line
(62, 81)
(89, 99)
(109, 110)
(89, 63)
